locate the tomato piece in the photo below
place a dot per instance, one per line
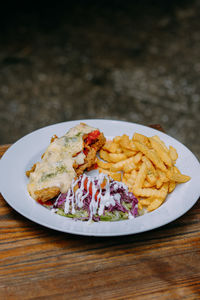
(95, 166)
(48, 202)
(92, 136)
(96, 195)
(90, 188)
(85, 151)
(103, 183)
(85, 183)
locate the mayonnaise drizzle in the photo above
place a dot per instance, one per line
(103, 199)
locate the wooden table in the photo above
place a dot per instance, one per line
(39, 263)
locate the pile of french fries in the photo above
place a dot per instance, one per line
(145, 165)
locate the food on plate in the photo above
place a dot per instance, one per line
(141, 166)
(96, 198)
(145, 164)
(65, 158)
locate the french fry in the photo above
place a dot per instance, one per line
(126, 175)
(102, 164)
(124, 180)
(176, 170)
(162, 153)
(126, 143)
(173, 153)
(180, 178)
(112, 147)
(138, 166)
(117, 139)
(151, 154)
(155, 137)
(114, 175)
(172, 185)
(128, 153)
(140, 177)
(139, 206)
(104, 155)
(159, 183)
(148, 163)
(151, 177)
(129, 166)
(147, 184)
(137, 158)
(151, 174)
(132, 178)
(119, 165)
(116, 157)
(163, 176)
(141, 138)
(151, 192)
(145, 202)
(155, 204)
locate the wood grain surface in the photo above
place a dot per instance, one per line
(39, 263)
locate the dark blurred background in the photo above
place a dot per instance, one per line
(137, 61)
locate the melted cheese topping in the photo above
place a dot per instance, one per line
(56, 167)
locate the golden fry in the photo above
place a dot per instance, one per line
(159, 183)
(145, 202)
(139, 206)
(151, 174)
(126, 143)
(141, 138)
(151, 154)
(140, 177)
(104, 155)
(117, 139)
(114, 175)
(124, 180)
(172, 186)
(163, 176)
(137, 158)
(132, 178)
(112, 147)
(152, 192)
(176, 170)
(155, 137)
(155, 204)
(162, 153)
(180, 178)
(129, 166)
(126, 175)
(119, 165)
(128, 153)
(147, 184)
(173, 153)
(102, 164)
(148, 163)
(116, 157)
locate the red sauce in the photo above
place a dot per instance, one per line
(92, 137)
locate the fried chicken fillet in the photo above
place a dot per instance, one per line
(65, 158)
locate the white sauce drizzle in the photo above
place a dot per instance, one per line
(103, 199)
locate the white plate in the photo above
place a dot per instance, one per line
(28, 150)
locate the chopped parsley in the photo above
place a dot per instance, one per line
(59, 170)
